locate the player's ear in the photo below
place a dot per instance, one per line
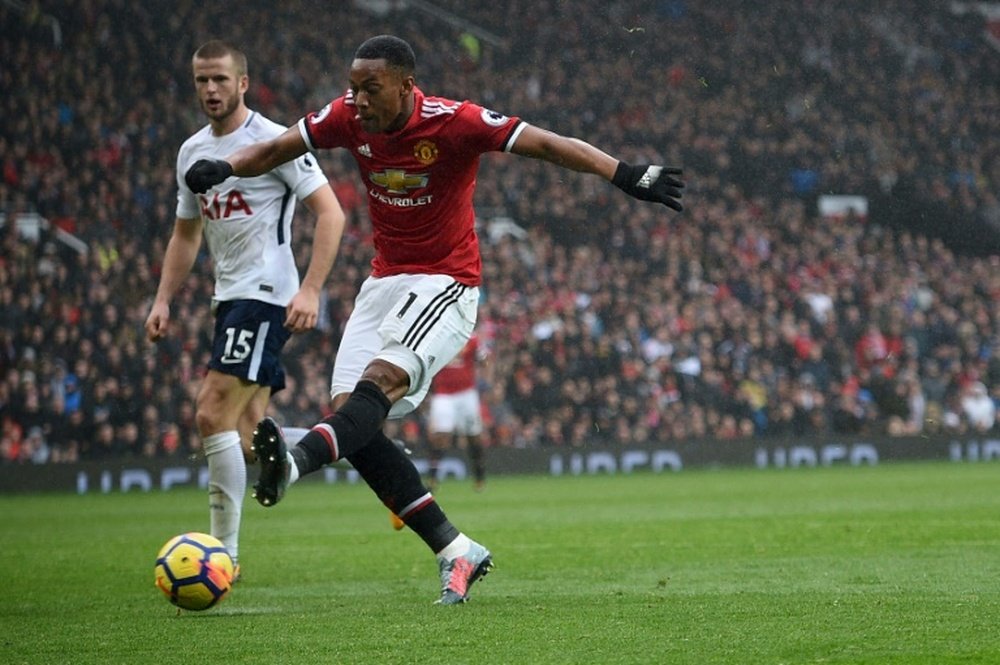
(244, 83)
(406, 86)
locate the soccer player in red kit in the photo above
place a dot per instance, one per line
(455, 416)
(417, 156)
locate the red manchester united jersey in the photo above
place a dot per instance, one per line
(420, 180)
(460, 373)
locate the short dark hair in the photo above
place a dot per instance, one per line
(395, 51)
(216, 48)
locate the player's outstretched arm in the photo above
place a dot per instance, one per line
(649, 182)
(249, 161)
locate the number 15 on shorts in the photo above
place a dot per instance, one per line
(239, 344)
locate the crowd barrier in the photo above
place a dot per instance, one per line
(146, 475)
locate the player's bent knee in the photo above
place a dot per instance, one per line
(392, 380)
(208, 421)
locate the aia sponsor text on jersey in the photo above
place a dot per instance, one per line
(217, 208)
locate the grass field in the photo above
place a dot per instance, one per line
(891, 564)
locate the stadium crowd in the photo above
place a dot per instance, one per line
(609, 321)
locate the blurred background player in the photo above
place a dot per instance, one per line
(258, 302)
(455, 417)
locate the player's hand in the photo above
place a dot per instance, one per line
(649, 182)
(302, 312)
(156, 322)
(206, 173)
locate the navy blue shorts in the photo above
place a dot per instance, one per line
(249, 336)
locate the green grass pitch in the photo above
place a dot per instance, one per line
(889, 564)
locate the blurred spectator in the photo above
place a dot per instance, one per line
(748, 316)
(978, 408)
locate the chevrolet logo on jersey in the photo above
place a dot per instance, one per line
(396, 181)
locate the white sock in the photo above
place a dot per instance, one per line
(293, 469)
(227, 483)
(292, 436)
(455, 548)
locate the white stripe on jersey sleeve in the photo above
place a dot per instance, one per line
(305, 134)
(513, 137)
(430, 109)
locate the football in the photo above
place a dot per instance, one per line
(194, 571)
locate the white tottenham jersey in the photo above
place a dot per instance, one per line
(248, 221)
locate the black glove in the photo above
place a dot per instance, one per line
(206, 173)
(650, 183)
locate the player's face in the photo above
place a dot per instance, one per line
(220, 87)
(381, 95)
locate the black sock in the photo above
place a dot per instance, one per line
(476, 457)
(353, 425)
(433, 464)
(394, 479)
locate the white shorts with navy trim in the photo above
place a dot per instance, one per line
(416, 322)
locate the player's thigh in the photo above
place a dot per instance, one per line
(246, 350)
(360, 341)
(424, 330)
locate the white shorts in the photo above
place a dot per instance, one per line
(416, 322)
(456, 413)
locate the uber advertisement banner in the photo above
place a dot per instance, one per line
(142, 475)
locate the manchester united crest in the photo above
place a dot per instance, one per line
(425, 151)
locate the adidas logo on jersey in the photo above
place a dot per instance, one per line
(365, 150)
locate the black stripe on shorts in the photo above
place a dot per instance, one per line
(432, 314)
